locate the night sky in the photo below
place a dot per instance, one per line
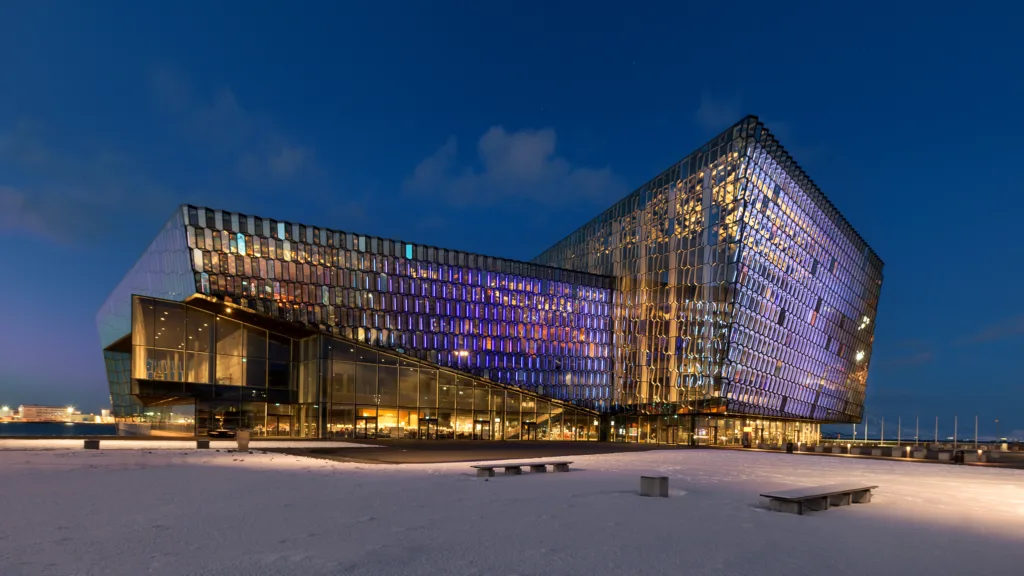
(498, 130)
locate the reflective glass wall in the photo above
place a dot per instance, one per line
(374, 394)
(239, 375)
(700, 430)
(236, 375)
(163, 271)
(535, 327)
(740, 288)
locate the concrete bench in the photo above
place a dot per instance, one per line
(818, 498)
(515, 468)
(92, 445)
(202, 444)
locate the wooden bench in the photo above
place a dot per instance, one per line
(514, 468)
(818, 498)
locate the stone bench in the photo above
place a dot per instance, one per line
(516, 468)
(818, 497)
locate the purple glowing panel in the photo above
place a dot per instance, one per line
(517, 323)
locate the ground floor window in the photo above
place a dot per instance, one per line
(696, 430)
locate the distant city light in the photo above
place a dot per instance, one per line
(860, 355)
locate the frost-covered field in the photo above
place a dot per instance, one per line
(188, 512)
(146, 444)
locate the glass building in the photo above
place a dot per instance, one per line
(726, 302)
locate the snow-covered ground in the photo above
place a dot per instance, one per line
(146, 444)
(213, 513)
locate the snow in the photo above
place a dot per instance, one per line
(208, 512)
(113, 444)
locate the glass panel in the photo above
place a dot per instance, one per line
(142, 322)
(446, 390)
(199, 329)
(279, 348)
(387, 385)
(342, 351)
(408, 379)
(254, 417)
(229, 369)
(169, 326)
(366, 383)
(255, 372)
(199, 368)
(279, 375)
(513, 422)
(555, 430)
(481, 397)
(464, 424)
(387, 422)
(255, 342)
(229, 337)
(342, 420)
(156, 364)
(343, 382)
(428, 388)
(464, 398)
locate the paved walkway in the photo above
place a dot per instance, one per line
(1013, 460)
(437, 451)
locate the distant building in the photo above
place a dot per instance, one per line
(6, 413)
(35, 412)
(726, 301)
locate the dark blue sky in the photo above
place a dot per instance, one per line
(499, 128)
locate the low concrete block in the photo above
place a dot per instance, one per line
(946, 456)
(783, 506)
(561, 467)
(898, 452)
(656, 486)
(92, 445)
(971, 456)
(539, 468)
(838, 450)
(242, 438)
(819, 449)
(484, 472)
(202, 444)
(513, 470)
(840, 500)
(995, 455)
(919, 453)
(877, 452)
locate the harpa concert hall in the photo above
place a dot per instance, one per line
(726, 301)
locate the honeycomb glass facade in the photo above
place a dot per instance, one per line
(739, 288)
(726, 297)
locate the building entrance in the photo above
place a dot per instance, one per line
(279, 425)
(366, 426)
(427, 428)
(481, 429)
(529, 431)
(672, 434)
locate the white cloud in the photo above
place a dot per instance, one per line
(512, 166)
